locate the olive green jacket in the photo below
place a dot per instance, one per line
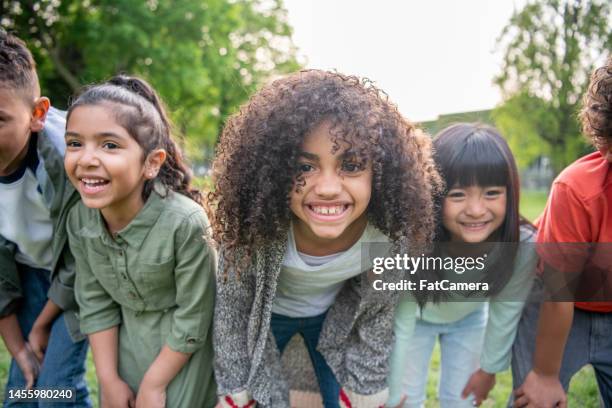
(59, 195)
(155, 280)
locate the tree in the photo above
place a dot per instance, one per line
(204, 57)
(550, 48)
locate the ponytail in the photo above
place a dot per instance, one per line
(142, 113)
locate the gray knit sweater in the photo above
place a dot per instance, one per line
(356, 338)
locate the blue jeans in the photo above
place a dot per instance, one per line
(589, 342)
(460, 346)
(64, 362)
(284, 328)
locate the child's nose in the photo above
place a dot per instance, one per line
(328, 184)
(475, 207)
(88, 158)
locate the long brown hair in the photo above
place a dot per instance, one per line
(137, 108)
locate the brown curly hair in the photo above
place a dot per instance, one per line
(596, 113)
(256, 166)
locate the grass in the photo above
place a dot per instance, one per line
(582, 393)
(532, 204)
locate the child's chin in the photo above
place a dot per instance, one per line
(328, 233)
(475, 238)
(94, 204)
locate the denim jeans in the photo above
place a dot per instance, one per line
(64, 361)
(284, 328)
(460, 346)
(589, 342)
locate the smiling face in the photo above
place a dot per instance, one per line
(474, 213)
(104, 162)
(330, 207)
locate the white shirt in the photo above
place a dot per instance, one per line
(308, 285)
(24, 217)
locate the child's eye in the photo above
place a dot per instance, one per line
(72, 143)
(456, 194)
(110, 145)
(352, 166)
(305, 168)
(494, 192)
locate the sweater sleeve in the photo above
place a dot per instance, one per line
(404, 321)
(505, 311)
(233, 304)
(366, 356)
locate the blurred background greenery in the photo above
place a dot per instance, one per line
(206, 57)
(203, 57)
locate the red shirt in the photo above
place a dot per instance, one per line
(579, 209)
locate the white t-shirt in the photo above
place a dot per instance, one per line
(24, 217)
(308, 285)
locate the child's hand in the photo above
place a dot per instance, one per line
(539, 390)
(151, 397)
(29, 365)
(117, 394)
(479, 384)
(39, 339)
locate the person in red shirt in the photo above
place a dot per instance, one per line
(569, 335)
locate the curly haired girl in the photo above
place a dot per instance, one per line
(314, 165)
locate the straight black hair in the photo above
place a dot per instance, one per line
(474, 154)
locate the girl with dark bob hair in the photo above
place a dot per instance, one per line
(313, 166)
(478, 217)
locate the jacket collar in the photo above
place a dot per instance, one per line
(137, 230)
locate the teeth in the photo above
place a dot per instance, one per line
(93, 181)
(328, 210)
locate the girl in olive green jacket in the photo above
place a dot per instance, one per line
(145, 275)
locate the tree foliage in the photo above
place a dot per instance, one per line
(549, 49)
(205, 57)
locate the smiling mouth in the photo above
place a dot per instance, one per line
(331, 210)
(474, 225)
(93, 185)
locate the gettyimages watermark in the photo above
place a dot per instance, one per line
(567, 272)
(411, 264)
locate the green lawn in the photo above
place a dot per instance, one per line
(583, 389)
(582, 393)
(532, 204)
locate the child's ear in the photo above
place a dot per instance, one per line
(153, 163)
(39, 113)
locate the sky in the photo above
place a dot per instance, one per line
(432, 57)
